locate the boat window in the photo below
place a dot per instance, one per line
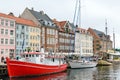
(53, 59)
(29, 55)
(26, 55)
(36, 55)
(23, 55)
(33, 55)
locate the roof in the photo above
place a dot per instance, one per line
(58, 24)
(43, 18)
(19, 20)
(99, 33)
(93, 33)
(61, 25)
(83, 31)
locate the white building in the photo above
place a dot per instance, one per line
(83, 42)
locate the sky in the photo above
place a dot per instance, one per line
(94, 13)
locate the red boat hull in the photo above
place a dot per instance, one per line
(19, 68)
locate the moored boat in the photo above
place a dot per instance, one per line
(82, 64)
(36, 63)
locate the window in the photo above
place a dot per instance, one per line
(2, 51)
(11, 32)
(11, 41)
(17, 43)
(2, 41)
(27, 29)
(17, 27)
(6, 51)
(26, 43)
(17, 35)
(26, 36)
(6, 41)
(6, 23)
(33, 30)
(11, 23)
(22, 27)
(6, 31)
(20, 36)
(30, 29)
(2, 21)
(2, 31)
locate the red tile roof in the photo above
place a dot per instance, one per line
(61, 25)
(83, 31)
(58, 24)
(19, 20)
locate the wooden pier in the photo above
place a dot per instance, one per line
(3, 69)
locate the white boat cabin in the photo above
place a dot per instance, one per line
(41, 58)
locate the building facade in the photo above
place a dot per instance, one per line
(7, 37)
(27, 36)
(66, 36)
(102, 42)
(49, 31)
(83, 42)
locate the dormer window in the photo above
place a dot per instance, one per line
(48, 23)
(43, 23)
(53, 24)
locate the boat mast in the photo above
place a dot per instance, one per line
(106, 34)
(114, 40)
(77, 14)
(77, 20)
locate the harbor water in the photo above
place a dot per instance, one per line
(97, 73)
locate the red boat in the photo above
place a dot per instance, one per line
(36, 63)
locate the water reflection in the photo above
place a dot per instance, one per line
(108, 73)
(57, 76)
(82, 74)
(97, 73)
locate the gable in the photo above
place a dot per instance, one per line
(43, 18)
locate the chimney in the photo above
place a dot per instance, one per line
(54, 19)
(42, 12)
(32, 8)
(11, 14)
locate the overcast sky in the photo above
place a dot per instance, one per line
(93, 12)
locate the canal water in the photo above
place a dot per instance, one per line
(97, 73)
